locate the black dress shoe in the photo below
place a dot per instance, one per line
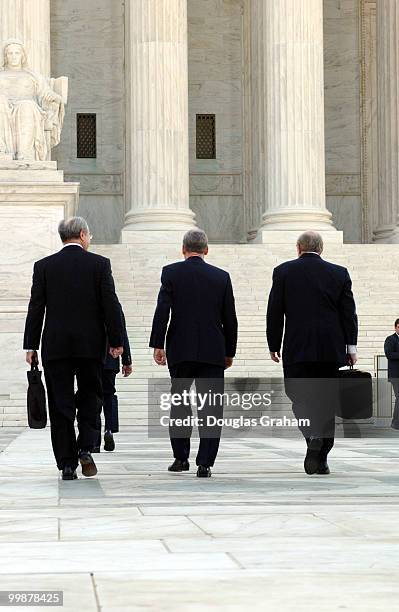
(323, 467)
(68, 473)
(204, 472)
(312, 459)
(395, 425)
(89, 468)
(109, 444)
(96, 449)
(179, 466)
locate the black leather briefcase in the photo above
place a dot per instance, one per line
(355, 394)
(36, 399)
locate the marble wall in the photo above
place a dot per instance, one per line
(215, 86)
(342, 116)
(87, 45)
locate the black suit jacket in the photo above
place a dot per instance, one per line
(203, 324)
(315, 299)
(75, 292)
(391, 350)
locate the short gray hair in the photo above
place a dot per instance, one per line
(310, 241)
(69, 229)
(195, 241)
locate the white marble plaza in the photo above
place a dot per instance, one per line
(304, 97)
(259, 534)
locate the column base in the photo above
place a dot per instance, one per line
(165, 226)
(386, 234)
(283, 226)
(165, 223)
(300, 220)
(153, 237)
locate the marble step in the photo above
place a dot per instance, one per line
(137, 276)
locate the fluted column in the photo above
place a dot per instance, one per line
(388, 126)
(289, 43)
(29, 22)
(157, 122)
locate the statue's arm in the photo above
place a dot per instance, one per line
(46, 94)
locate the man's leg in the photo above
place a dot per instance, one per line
(395, 416)
(59, 377)
(108, 394)
(88, 375)
(295, 385)
(110, 409)
(181, 381)
(313, 390)
(209, 382)
(96, 447)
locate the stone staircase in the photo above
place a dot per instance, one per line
(137, 269)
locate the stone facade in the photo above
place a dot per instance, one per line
(342, 115)
(88, 45)
(215, 44)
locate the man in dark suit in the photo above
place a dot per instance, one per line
(74, 290)
(201, 342)
(391, 349)
(314, 298)
(111, 368)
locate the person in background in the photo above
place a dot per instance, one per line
(391, 349)
(110, 400)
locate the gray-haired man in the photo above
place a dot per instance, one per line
(200, 343)
(311, 304)
(75, 292)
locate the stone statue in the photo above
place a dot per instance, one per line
(31, 110)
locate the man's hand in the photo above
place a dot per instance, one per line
(31, 356)
(116, 351)
(127, 370)
(275, 356)
(228, 362)
(160, 357)
(351, 358)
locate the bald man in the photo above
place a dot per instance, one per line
(311, 300)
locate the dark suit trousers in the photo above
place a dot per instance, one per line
(110, 404)
(313, 390)
(207, 377)
(395, 386)
(64, 407)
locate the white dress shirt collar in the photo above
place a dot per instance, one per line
(72, 244)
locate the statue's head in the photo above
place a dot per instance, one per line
(14, 54)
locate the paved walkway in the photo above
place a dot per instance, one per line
(259, 534)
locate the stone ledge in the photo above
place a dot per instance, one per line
(16, 164)
(30, 175)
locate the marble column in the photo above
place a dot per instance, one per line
(388, 126)
(28, 21)
(289, 40)
(157, 118)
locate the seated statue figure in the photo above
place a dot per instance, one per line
(29, 109)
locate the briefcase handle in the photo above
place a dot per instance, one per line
(34, 364)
